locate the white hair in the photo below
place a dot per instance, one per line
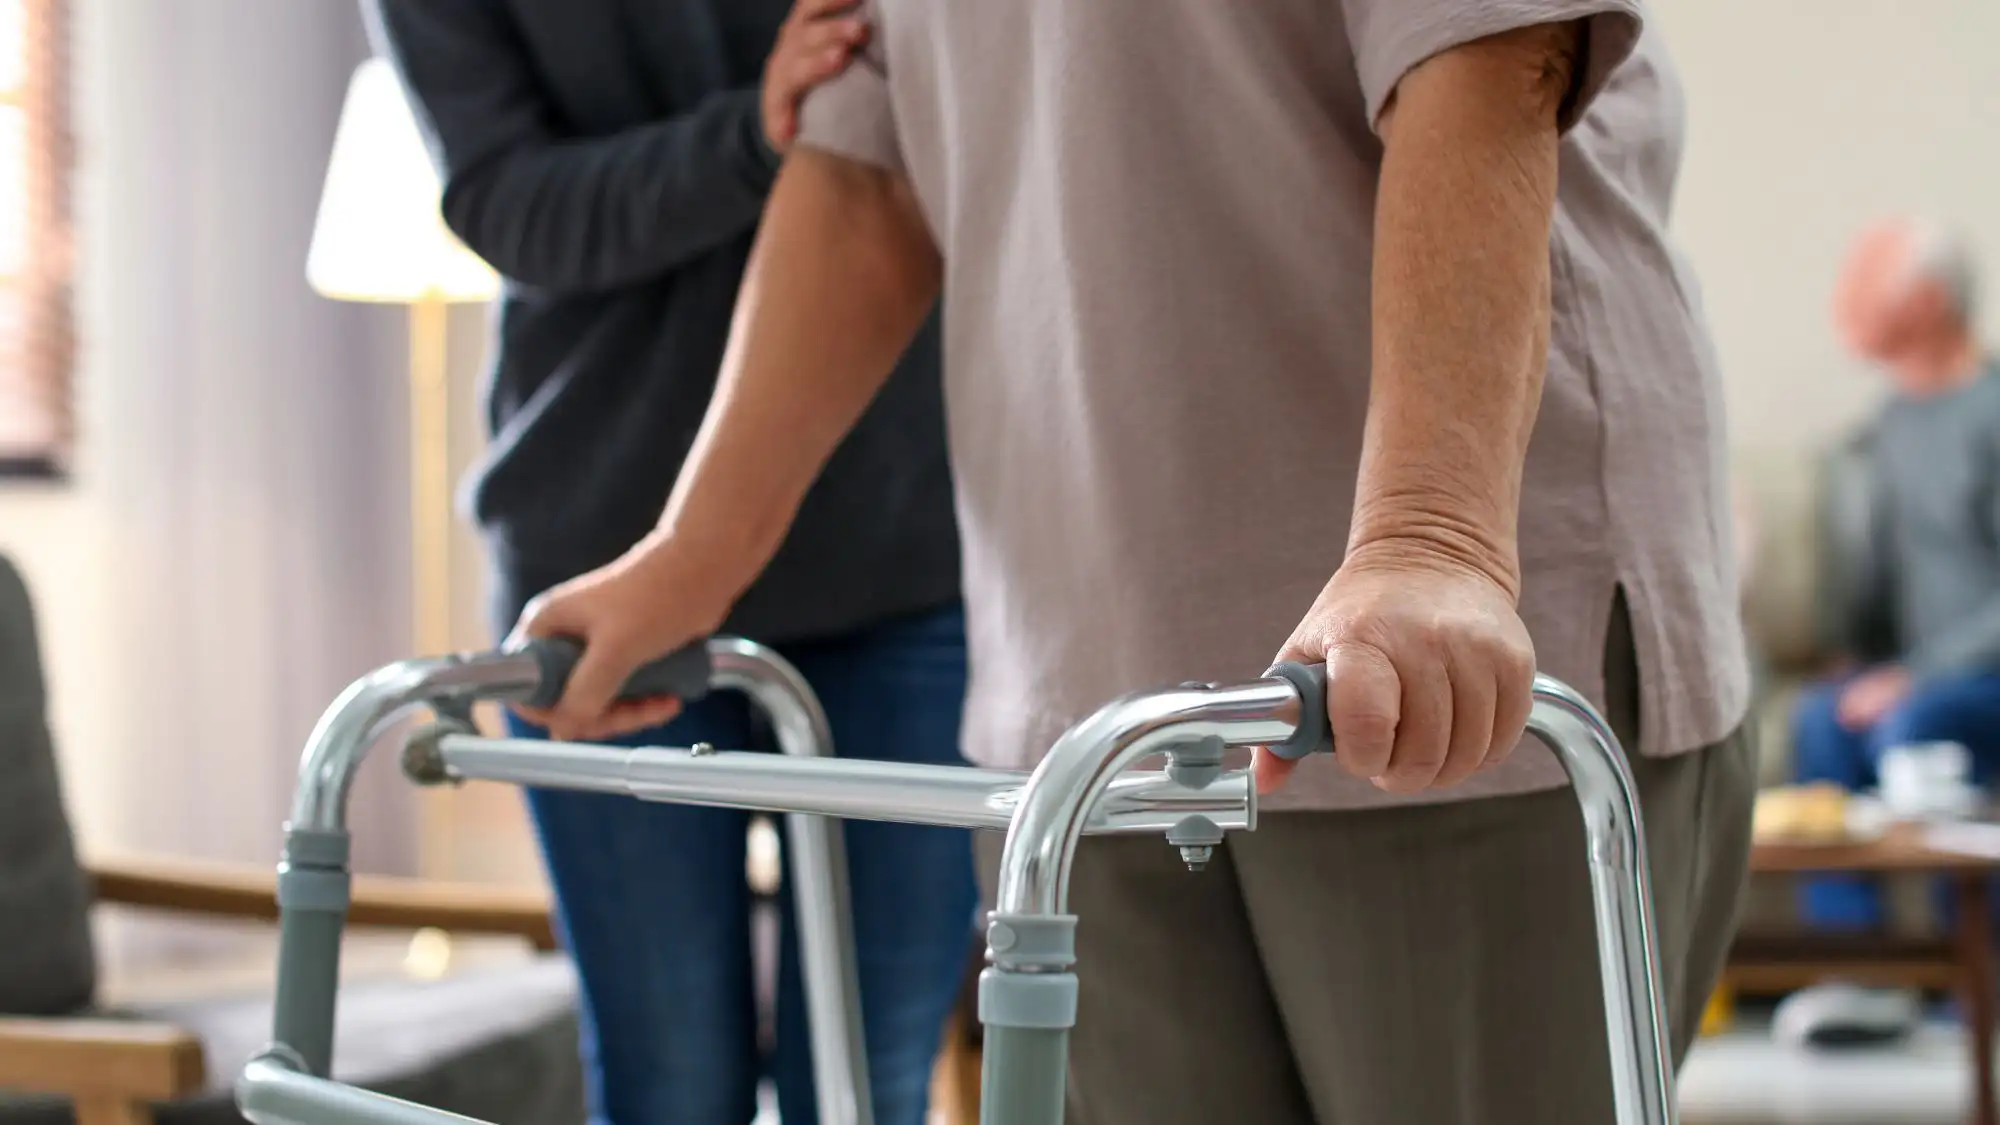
(1941, 255)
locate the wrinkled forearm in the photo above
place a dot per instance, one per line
(1461, 297)
(843, 275)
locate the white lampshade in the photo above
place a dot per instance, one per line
(379, 235)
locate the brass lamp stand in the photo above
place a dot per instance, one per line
(379, 238)
(430, 474)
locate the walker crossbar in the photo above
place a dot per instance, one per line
(851, 789)
(1028, 994)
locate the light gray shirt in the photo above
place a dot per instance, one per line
(1156, 220)
(1935, 520)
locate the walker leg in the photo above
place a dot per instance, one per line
(825, 929)
(817, 867)
(1027, 1000)
(1023, 1076)
(313, 887)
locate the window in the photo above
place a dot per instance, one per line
(37, 342)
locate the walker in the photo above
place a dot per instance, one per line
(1028, 994)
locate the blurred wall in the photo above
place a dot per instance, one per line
(231, 551)
(1809, 117)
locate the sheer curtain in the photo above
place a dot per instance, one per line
(243, 438)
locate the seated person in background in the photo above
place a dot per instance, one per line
(1919, 618)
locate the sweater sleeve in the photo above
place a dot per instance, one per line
(562, 213)
(1973, 645)
(1854, 545)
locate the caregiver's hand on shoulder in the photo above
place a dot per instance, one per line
(816, 43)
(1430, 672)
(656, 599)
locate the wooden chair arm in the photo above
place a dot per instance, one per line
(241, 891)
(100, 1060)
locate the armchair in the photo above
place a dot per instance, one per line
(498, 1043)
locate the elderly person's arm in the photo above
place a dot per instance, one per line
(1430, 665)
(811, 344)
(1461, 290)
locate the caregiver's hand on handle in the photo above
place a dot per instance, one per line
(1430, 671)
(653, 601)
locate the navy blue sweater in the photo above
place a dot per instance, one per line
(608, 158)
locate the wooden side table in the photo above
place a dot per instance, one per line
(1966, 857)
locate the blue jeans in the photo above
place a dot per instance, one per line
(1964, 709)
(654, 908)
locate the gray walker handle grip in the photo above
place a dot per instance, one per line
(1314, 734)
(684, 674)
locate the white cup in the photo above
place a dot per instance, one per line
(1924, 779)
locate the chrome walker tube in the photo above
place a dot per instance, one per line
(314, 878)
(851, 789)
(819, 882)
(288, 1083)
(1027, 996)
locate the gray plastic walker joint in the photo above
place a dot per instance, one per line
(312, 873)
(458, 710)
(1031, 942)
(311, 847)
(1044, 1001)
(423, 751)
(1197, 762)
(312, 888)
(1029, 984)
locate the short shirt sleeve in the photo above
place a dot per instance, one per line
(1389, 37)
(851, 115)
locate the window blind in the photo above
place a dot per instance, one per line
(37, 336)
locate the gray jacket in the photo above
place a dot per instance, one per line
(1916, 580)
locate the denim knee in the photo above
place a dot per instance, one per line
(1964, 710)
(1824, 750)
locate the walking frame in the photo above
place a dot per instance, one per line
(1028, 993)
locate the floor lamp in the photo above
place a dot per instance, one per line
(379, 238)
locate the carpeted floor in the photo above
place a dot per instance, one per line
(1744, 1078)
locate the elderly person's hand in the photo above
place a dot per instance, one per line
(1430, 670)
(1869, 697)
(815, 44)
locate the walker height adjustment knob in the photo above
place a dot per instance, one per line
(1197, 837)
(1195, 764)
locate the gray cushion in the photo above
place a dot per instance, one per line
(49, 966)
(499, 1045)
